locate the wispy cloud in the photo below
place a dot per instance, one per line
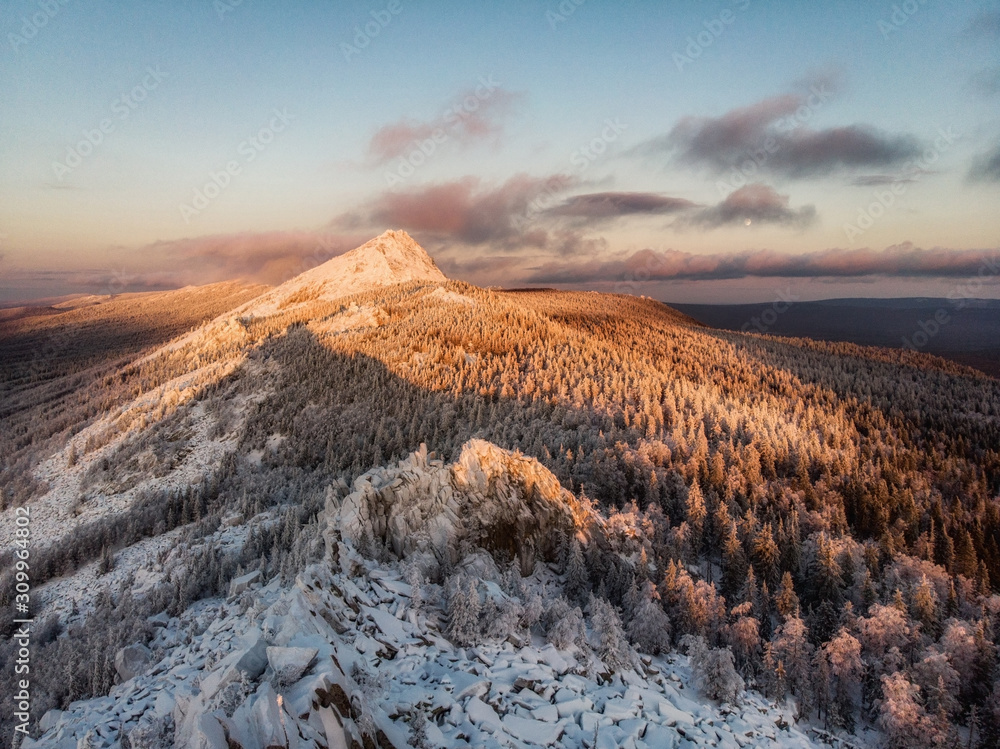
(986, 166)
(753, 204)
(768, 133)
(903, 260)
(879, 180)
(606, 205)
(473, 116)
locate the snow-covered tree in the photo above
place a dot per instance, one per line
(505, 618)
(793, 649)
(842, 654)
(713, 670)
(939, 683)
(613, 648)
(902, 717)
(415, 579)
(565, 625)
(464, 607)
(649, 625)
(577, 579)
(743, 637)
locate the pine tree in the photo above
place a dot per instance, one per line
(649, 626)
(107, 562)
(577, 579)
(695, 515)
(613, 648)
(785, 601)
(463, 613)
(714, 671)
(766, 557)
(925, 606)
(734, 567)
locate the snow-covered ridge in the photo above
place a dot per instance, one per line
(356, 651)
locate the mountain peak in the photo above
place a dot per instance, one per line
(404, 255)
(390, 258)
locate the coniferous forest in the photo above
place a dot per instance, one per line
(815, 521)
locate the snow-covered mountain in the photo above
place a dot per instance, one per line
(625, 528)
(392, 257)
(357, 651)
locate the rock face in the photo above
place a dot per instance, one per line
(132, 661)
(390, 258)
(499, 500)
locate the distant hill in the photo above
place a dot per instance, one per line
(970, 332)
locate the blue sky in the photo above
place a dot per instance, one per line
(591, 148)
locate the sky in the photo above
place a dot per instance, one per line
(701, 151)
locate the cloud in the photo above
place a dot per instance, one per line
(903, 260)
(879, 180)
(269, 257)
(475, 115)
(986, 166)
(470, 211)
(756, 203)
(772, 135)
(605, 205)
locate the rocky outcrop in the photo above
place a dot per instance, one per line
(499, 500)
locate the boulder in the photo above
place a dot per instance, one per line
(202, 731)
(289, 664)
(250, 659)
(267, 717)
(132, 661)
(50, 720)
(238, 584)
(159, 620)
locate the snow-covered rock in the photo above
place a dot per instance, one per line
(132, 661)
(238, 584)
(289, 664)
(345, 657)
(499, 500)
